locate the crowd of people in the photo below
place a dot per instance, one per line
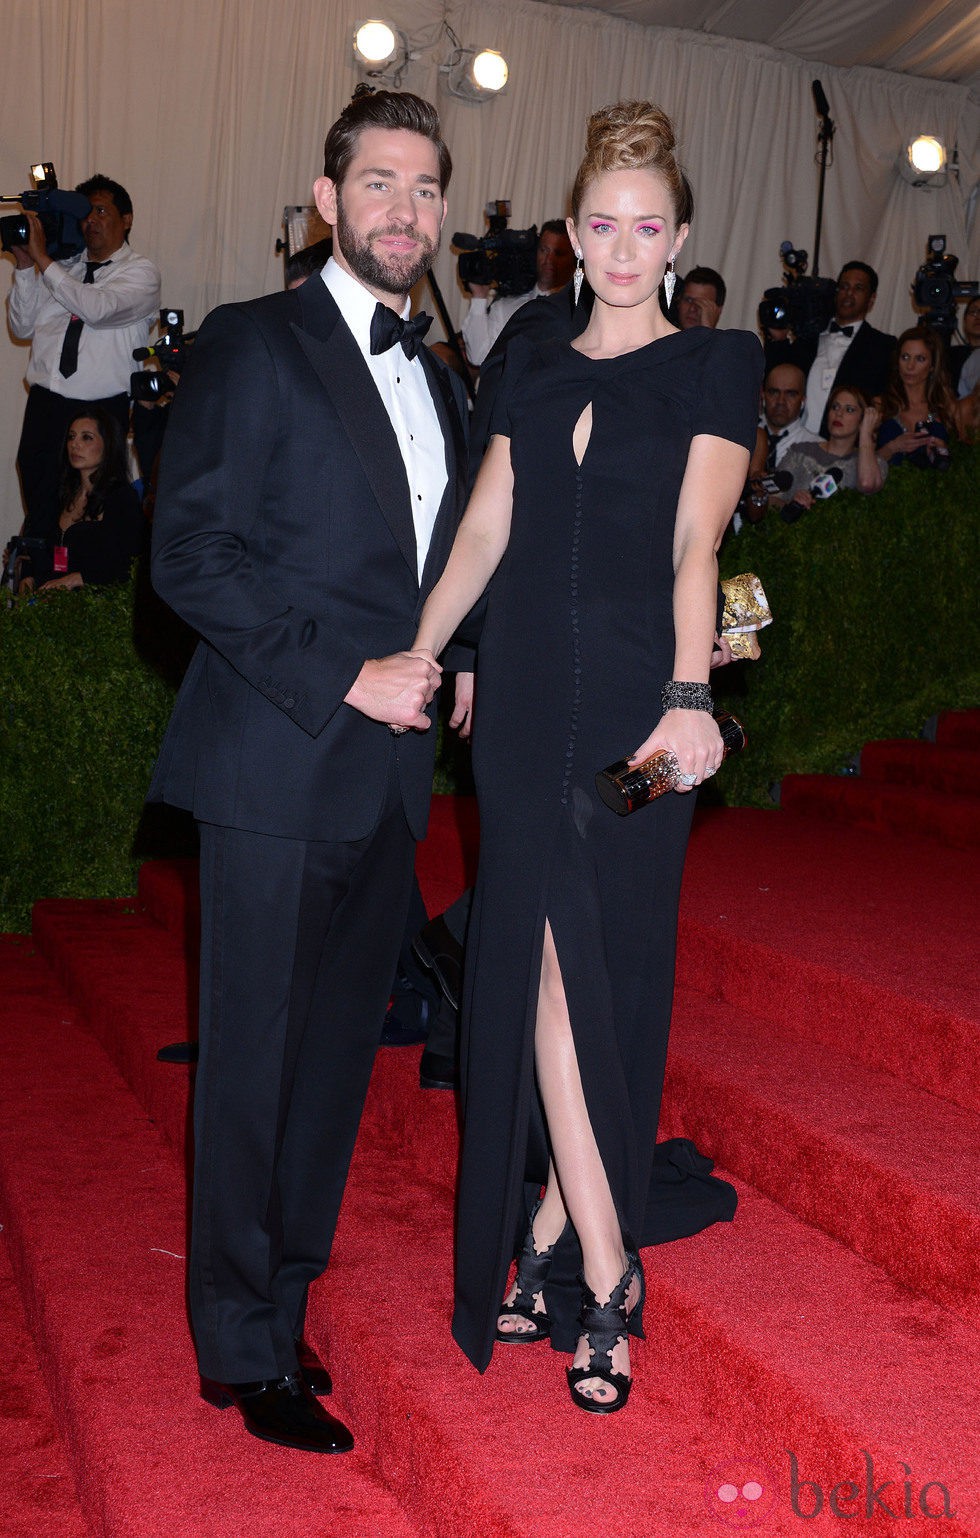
(332, 574)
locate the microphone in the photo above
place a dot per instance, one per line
(819, 99)
(775, 482)
(821, 487)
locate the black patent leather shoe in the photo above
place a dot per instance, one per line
(312, 1370)
(282, 1410)
(437, 1072)
(438, 949)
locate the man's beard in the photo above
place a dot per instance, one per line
(392, 275)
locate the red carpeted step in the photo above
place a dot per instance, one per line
(851, 1151)
(959, 729)
(764, 1338)
(39, 1495)
(924, 765)
(446, 864)
(953, 820)
(863, 943)
(95, 1213)
(138, 993)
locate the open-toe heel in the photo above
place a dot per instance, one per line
(606, 1325)
(532, 1273)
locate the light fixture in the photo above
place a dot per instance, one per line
(380, 50)
(923, 161)
(476, 74)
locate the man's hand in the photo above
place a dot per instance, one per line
(35, 253)
(462, 717)
(722, 653)
(396, 689)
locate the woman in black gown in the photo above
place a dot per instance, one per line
(615, 466)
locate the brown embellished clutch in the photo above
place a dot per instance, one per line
(625, 786)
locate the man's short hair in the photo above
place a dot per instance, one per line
(869, 273)
(786, 363)
(554, 227)
(708, 275)
(311, 259)
(388, 110)
(99, 183)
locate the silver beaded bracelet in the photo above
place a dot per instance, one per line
(680, 696)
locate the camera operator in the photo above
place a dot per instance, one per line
(84, 317)
(850, 351)
(487, 317)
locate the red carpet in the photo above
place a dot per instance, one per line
(824, 1052)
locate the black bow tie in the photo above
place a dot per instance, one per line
(835, 330)
(387, 328)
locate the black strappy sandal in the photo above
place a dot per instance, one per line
(606, 1325)
(532, 1273)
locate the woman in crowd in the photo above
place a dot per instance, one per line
(615, 464)
(97, 529)
(917, 408)
(849, 447)
(965, 351)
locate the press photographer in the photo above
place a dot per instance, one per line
(505, 270)
(83, 315)
(152, 390)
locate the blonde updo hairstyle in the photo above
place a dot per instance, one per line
(633, 136)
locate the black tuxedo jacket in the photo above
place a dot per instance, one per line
(865, 364)
(283, 534)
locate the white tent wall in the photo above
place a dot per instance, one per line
(213, 117)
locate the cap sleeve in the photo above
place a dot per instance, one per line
(516, 360)
(730, 384)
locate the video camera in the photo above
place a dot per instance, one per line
(60, 213)
(805, 304)
(169, 352)
(935, 288)
(506, 258)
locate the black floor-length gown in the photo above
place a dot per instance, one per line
(577, 644)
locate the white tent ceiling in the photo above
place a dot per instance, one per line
(937, 39)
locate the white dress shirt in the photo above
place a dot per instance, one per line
(487, 317)
(831, 348)
(117, 308)
(405, 394)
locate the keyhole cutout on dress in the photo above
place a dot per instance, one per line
(581, 433)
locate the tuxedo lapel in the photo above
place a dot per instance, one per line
(336, 358)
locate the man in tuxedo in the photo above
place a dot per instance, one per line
(311, 484)
(850, 351)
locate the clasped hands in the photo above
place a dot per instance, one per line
(396, 689)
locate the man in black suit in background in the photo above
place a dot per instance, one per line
(850, 351)
(311, 485)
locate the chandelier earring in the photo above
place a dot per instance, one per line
(670, 279)
(579, 273)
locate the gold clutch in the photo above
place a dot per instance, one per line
(746, 612)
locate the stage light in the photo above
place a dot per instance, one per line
(476, 74)
(923, 162)
(380, 50)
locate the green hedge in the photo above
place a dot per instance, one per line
(874, 600)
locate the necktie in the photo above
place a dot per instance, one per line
(836, 330)
(69, 347)
(387, 328)
(774, 440)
